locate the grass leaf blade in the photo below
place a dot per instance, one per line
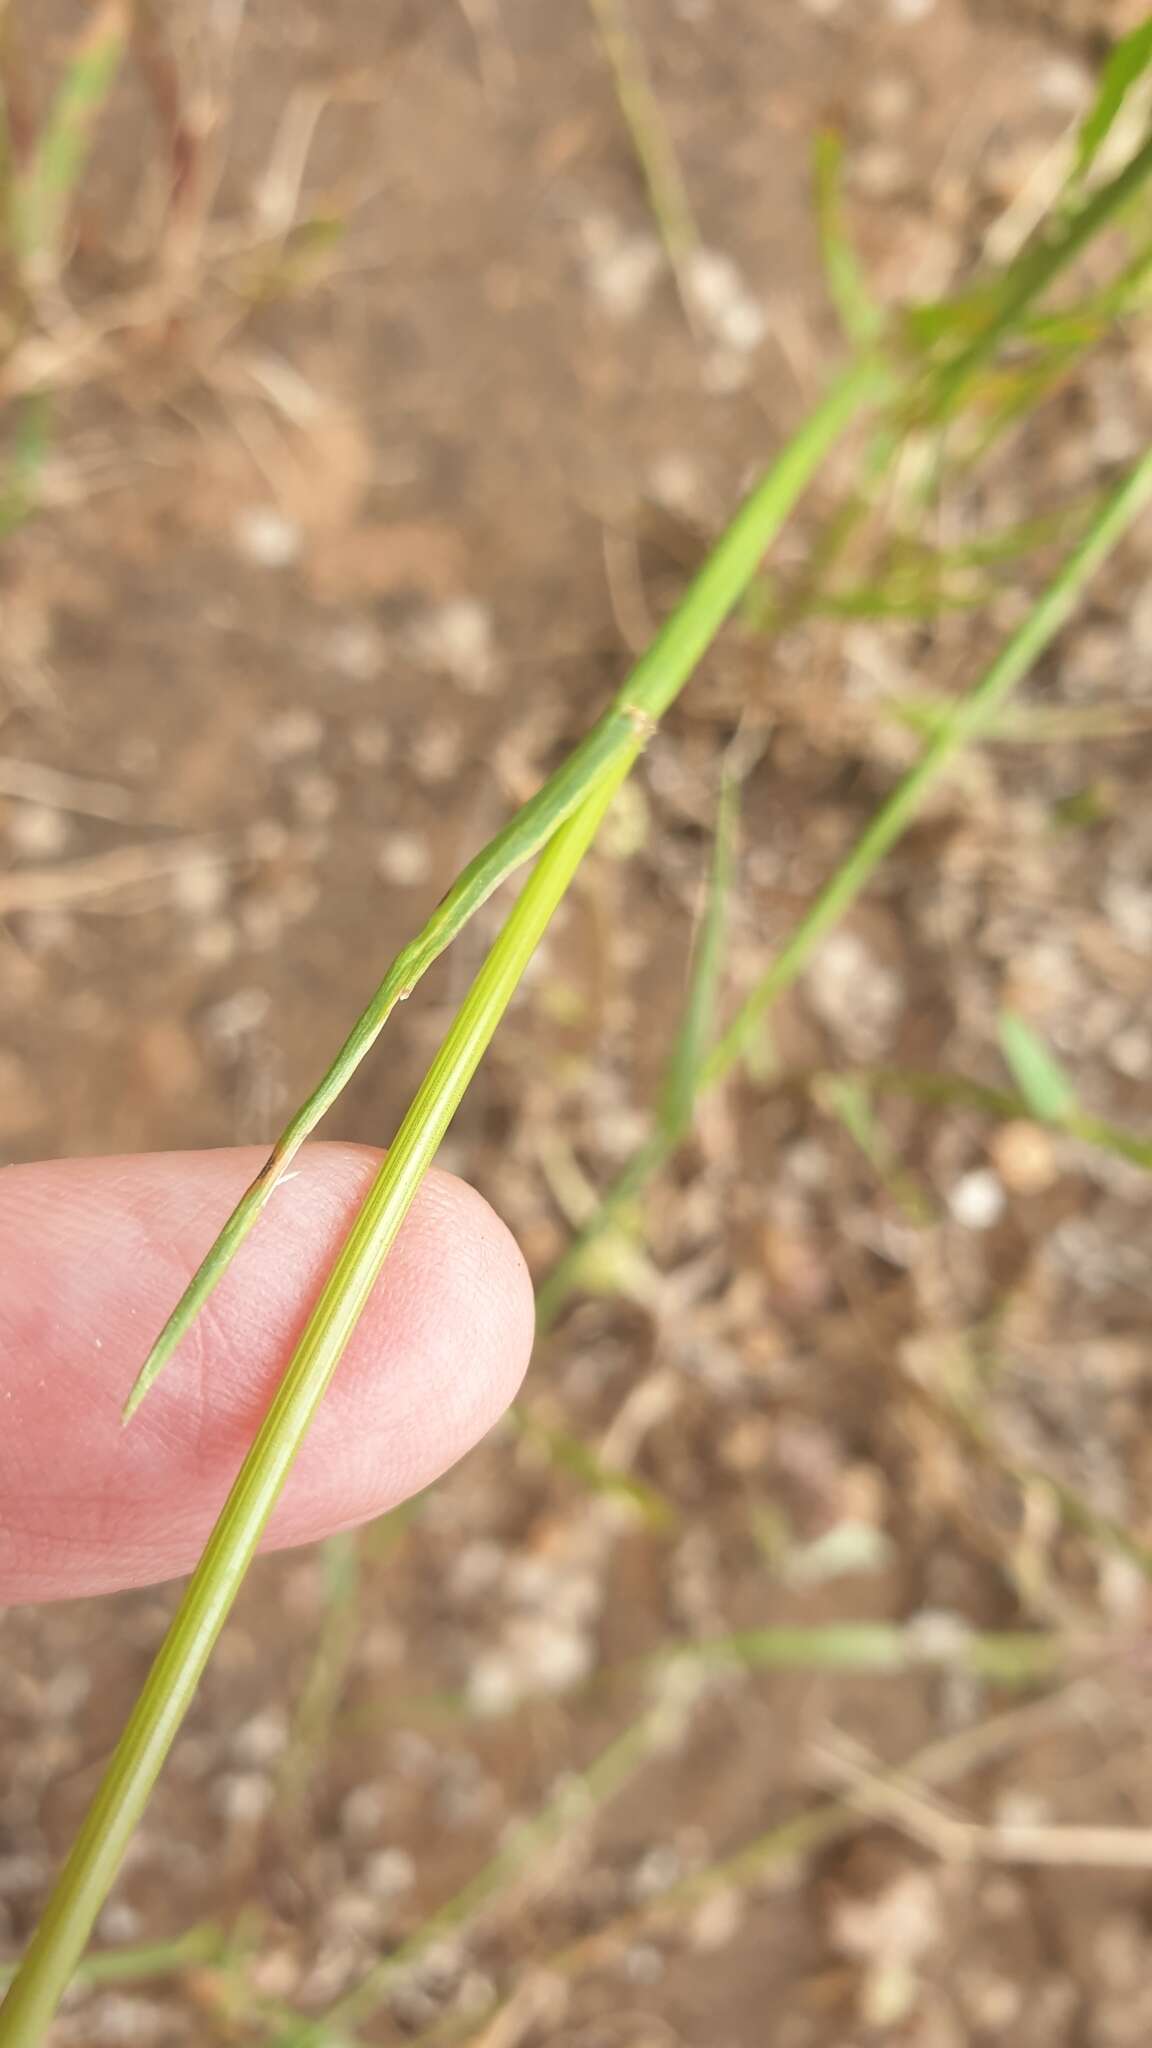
(695, 1031)
(1124, 67)
(42, 192)
(615, 741)
(860, 316)
(1040, 1078)
(962, 722)
(168, 1691)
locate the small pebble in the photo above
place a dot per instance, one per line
(355, 649)
(200, 887)
(436, 752)
(879, 171)
(457, 639)
(404, 859)
(352, 1913)
(372, 742)
(724, 302)
(288, 734)
(1130, 1053)
(120, 1923)
(644, 1964)
(228, 1022)
(888, 100)
(214, 942)
(855, 994)
(1064, 84)
(1128, 904)
(994, 2003)
(621, 268)
(266, 537)
(716, 1921)
(36, 831)
(901, 1923)
(389, 1872)
(267, 839)
(674, 482)
(262, 1739)
(976, 1202)
(1025, 1157)
(364, 1812)
(243, 1797)
(656, 1872)
(315, 796)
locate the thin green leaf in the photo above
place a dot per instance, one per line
(572, 1454)
(569, 1807)
(205, 1944)
(1124, 67)
(860, 316)
(891, 601)
(615, 741)
(694, 1036)
(30, 444)
(848, 1097)
(328, 1671)
(651, 143)
(84, 1883)
(1041, 1080)
(1041, 261)
(1002, 1102)
(966, 720)
(42, 192)
(1011, 1658)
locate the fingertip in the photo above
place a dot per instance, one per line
(95, 1253)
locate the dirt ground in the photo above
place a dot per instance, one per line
(328, 576)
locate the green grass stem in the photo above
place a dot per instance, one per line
(87, 1877)
(964, 721)
(614, 742)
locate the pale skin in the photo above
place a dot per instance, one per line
(92, 1255)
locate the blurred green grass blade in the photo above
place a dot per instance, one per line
(42, 191)
(204, 1944)
(880, 601)
(328, 1671)
(578, 1796)
(1040, 1078)
(572, 1454)
(1034, 270)
(946, 1089)
(1124, 67)
(965, 720)
(615, 741)
(1012, 543)
(860, 316)
(168, 1691)
(848, 1097)
(648, 133)
(958, 316)
(695, 1033)
(30, 444)
(957, 341)
(559, 1282)
(1012, 1657)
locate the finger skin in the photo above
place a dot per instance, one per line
(93, 1254)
